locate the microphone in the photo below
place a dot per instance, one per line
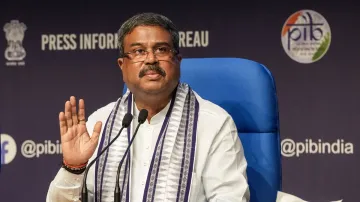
(142, 117)
(125, 123)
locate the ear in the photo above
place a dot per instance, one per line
(179, 57)
(120, 62)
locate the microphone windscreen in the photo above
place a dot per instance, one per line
(127, 120)
(143, 116)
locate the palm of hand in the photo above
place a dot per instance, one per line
(77, 145)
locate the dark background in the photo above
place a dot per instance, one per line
(316, 101)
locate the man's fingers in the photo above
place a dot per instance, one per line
(81, 115)
(68, 114)
(96, 132)
(62, 123)
(74, 116)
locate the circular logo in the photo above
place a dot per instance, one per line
(306, 36)
(8, 149)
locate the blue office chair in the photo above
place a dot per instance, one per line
(246, 90)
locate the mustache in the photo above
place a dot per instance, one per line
(155, 68)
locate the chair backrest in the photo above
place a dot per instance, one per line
(246, 90)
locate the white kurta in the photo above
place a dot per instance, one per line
(220, 166)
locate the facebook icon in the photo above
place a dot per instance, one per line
(3, 151)
(8, 149)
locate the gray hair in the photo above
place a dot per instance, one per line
(148, 19)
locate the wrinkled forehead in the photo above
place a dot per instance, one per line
(147, 36)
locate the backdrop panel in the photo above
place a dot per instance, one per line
(53, 51)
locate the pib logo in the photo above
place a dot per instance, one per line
(306, 36)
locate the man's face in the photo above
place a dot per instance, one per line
(146, 68)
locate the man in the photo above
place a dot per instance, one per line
(187, 150)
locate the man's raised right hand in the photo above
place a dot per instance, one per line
(77, 145)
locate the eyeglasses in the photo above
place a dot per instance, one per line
(140, 54)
